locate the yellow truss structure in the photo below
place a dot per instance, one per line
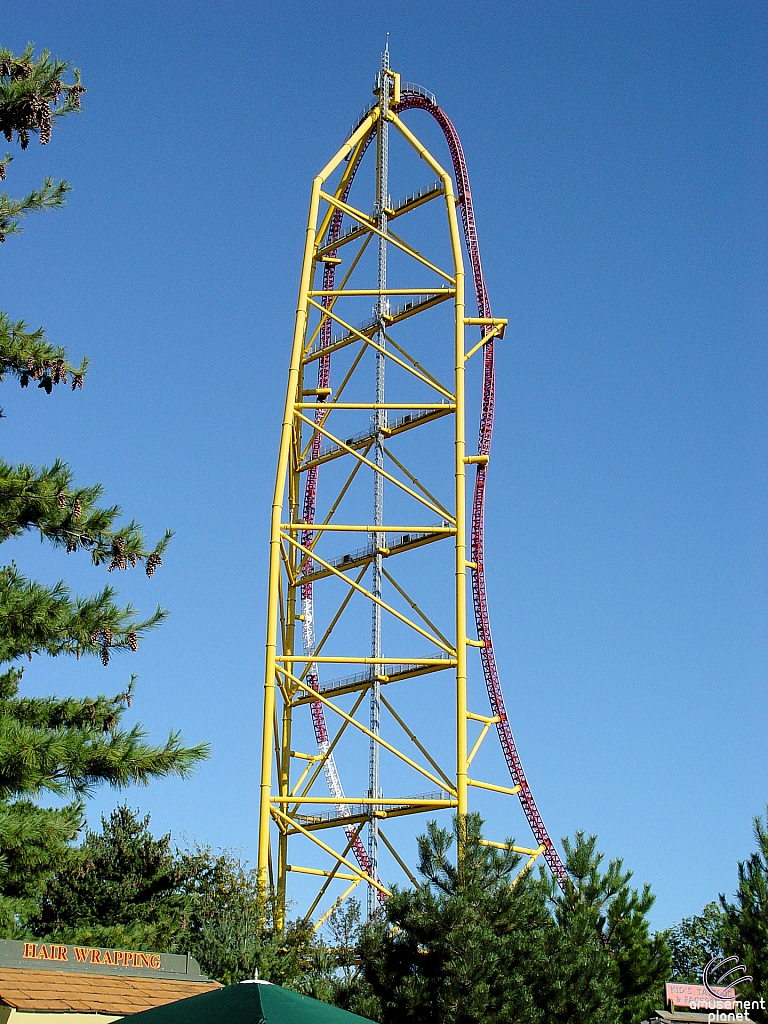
(293, 807)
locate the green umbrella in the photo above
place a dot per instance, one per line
(250, 1002)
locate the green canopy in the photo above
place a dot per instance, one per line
(250, 1002)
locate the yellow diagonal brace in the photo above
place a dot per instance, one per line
(372, 465)
(376, 600)
(416, 482)
(478, 742)
(349, 171)
(334, 620)
(497, 331)
(390, 355)
(399, 859)
(407, 355)
(527, 866)
(363, 219)
(368, 733)
(346, 278)
(364, 876)
(329, 751)
(338, 903)
(413, 605)
(339, 391)
(414, 739)
(326, 523)
(334, 869)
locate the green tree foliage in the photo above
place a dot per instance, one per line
(124, 887)
(634, 964)
(59, 746)
(475, 943)
(694, 942)
(33, 95)
(746, 921)
(465, 945)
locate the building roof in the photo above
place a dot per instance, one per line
(683, 1017)
(68, 992)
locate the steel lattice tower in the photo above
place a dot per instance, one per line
(318, 570)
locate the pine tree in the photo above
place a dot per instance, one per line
(746, 922)
(464, 946)
(122, 887)
(608, 965)
(59, 746)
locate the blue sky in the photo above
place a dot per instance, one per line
(618, 157)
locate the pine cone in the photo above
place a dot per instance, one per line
(107, 634)
(153, 562)
(105, 656)
(45, 127)
(94, 636)
(61, 500)
(133, 641)
(77, 510)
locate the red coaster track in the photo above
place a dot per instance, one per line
(414, 98)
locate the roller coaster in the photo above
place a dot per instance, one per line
(321, 576)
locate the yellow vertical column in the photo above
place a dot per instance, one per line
(461, 528)
(286, 441)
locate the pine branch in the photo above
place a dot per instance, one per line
(28, 355)
(97, 714)
(24, 824)
(52, 196)
(40, 619)
(75, 761)
(45, 500)
(33, 94)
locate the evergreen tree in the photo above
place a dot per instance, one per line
(54, 745)
(463, 946)
(125, 888)
(474, 943)
(694, 942)
(606, 961)
(746, 921)
(33, 96)
(121, 888)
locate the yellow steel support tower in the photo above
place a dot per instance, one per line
(298, 810)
